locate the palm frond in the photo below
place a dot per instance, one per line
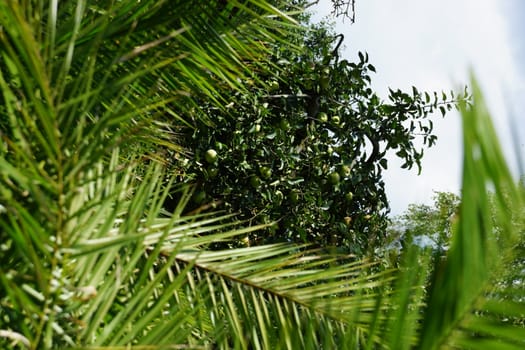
(85, 87)
(466, 303)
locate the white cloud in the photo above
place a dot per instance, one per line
(432, 45)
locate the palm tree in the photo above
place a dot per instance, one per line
(91, 260)
(90, 256)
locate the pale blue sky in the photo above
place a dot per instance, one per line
(432, 45)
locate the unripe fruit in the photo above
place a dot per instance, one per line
(324, 82)
(349, 196)
(334, 178)
(273, 85)
(255, 181)
(219, 146)
(210, 156)
(323, 117)
(345, 171)
(336, 120)
(294, 196)
(284, 125)
(265, 172)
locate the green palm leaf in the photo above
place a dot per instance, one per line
(466, 303)
(85, 87)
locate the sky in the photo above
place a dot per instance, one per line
(433, 45)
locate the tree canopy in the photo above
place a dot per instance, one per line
(305, 145)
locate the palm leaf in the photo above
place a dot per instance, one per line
(466, 305)
(78, 112)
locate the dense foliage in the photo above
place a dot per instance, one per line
(306, 147)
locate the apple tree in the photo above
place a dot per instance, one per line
(305, 147)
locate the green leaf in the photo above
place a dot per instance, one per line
(460, 285)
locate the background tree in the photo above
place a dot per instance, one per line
(426, 225)
(307, 148)
(431, 227)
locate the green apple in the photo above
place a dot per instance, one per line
(273, 85)
(294, 196)
(324, 81)
(323, 117)
(255, 181)
(284, 125)
(265, 172)
(345, 171)
(211, 156)
(334, 178)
